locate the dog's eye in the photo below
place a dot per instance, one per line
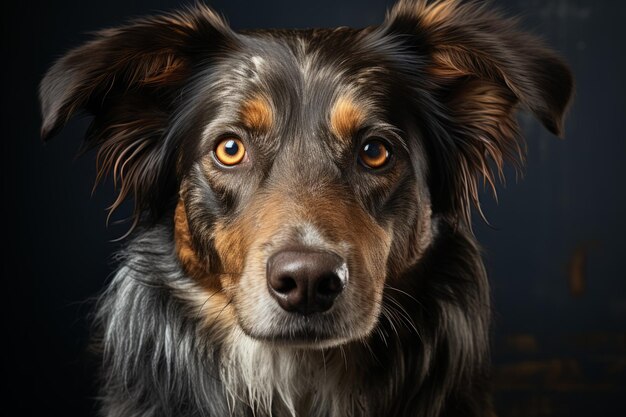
(230, 151)
(374, 154)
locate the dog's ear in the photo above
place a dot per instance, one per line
(478, 68)
(129, 78)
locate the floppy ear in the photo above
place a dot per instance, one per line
(478, 69)
(128, 78)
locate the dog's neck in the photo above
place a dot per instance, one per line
(287, 381)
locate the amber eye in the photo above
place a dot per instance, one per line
(230, 151)
(374, 154)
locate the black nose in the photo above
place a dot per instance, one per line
(305, 281)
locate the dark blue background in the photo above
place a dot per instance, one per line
(557, 352)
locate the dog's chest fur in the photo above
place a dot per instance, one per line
(291, 382)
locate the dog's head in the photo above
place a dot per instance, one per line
(307, 166)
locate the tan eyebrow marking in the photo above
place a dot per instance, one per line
(346, 117)
(256, 113)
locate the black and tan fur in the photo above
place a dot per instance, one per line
(186, 326)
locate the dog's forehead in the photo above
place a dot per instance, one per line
(303, 80)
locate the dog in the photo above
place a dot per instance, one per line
(301, 241)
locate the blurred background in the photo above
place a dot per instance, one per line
(555, 251)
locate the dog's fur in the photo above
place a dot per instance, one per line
(187, 325)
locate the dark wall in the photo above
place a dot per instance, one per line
(555, 251)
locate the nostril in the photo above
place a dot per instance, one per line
(329, 285)
(284, 285)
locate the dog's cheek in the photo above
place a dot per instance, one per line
(412, 237)
(408, 215)
(251, 300)
(371, 245)
(205, 293)
(232, 242)
(187, 255)
(208, 244)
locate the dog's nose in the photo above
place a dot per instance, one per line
(305, 281)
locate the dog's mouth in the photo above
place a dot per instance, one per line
(314, 331)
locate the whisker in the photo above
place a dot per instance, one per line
(405, 293)
(206, 301)
(343, 355)
(403, 314)
(380, 332)
(389, 315)
(223, 308)
(369, 349)
(226, 273)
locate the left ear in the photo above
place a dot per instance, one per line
(478, 67)
(131, 78)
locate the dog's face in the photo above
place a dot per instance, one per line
(303, 172)
(306, 166)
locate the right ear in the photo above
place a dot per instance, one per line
(128, 78)
(478, 69)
